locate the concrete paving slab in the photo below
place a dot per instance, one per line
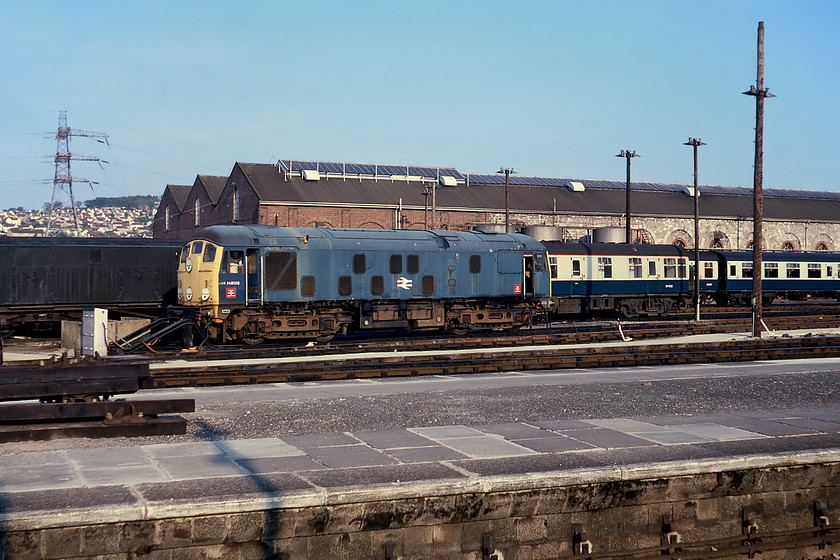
(388, 474)
(486, 447)
(424, 454)
(329, 439)
(36, 457)
(198, 466)
(553, 444)
(123, 475)
(350, 456)
(263, 465)
(771, 428)
(562, 425)
(261, 447)
(718, 432)
(225, 488)
(162, 450)
(607, 439)
(813, 424)
(626, 425)
(513, 431)
(446, 432)
(111, 457)
(40, 477)
(393, 439)
(666, 437)
(110, 498)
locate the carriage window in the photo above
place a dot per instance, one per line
(307, 286)
(575, 268)
(428, 285)
(412, 264)
(708, 270)
(670, 268)
(605, 267)
(732, 271)
(828, 271)
(651, 268)
(552, 266)
(198, 246)
(395, 264)
(377, 285)
(792, 270)
(359, 264)
(475, 264)
(209, 253)
(814, 270)
(280, 270)
(746, 270)
(635, 267)
(345, 286)
(682, 268)
(771, 270)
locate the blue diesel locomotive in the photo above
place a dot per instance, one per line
(255, 282)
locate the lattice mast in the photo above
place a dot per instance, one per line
(63, 180)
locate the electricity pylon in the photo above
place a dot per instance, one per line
(63, 180)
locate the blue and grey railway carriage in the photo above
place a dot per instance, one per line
(261, 282)
(605, 277)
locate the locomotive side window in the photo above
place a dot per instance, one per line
(670, 268)
(475, 264)
(377, 285)
(771, 270)
(576, 268)
(428, 285)
(635, 267)
(605, 267)
(345, 286)
(412, 264)
(280, 270)
(209, 253)
(395, 264)
(792, 270)
(814, 270)
(359, 263)
(307, 286)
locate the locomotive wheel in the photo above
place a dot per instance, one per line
(459, 331)
(252, 339)
(326, 337)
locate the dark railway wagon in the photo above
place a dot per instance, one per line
(50, 279)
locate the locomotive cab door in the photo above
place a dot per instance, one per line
(528, 276)
(253, 281)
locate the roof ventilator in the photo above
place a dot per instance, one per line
(310, 175)
(576, 186)
(448, 181)
(689, 191)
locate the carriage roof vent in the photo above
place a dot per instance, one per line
(310, 175)
(576, 186)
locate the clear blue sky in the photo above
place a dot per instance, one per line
(550, 88)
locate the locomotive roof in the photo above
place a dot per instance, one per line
(538, 194)
(262, 235)
(88, 242)
(633, 249)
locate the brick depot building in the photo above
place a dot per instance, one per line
(328, 194)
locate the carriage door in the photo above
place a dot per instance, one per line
(528, 270)
(252, 281)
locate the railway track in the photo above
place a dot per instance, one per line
(443, 362)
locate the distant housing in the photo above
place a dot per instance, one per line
(334, 194)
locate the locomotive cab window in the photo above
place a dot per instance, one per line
(395, 264)
(185, 253)
(359, 263)
(209, 253)
(475, 264)
(539, 262)
(197, 247)
(233, 262)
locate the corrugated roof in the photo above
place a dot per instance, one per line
(543, 195)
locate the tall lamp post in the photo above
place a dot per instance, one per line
(507, 171)
(695, 142)
(627, 154)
